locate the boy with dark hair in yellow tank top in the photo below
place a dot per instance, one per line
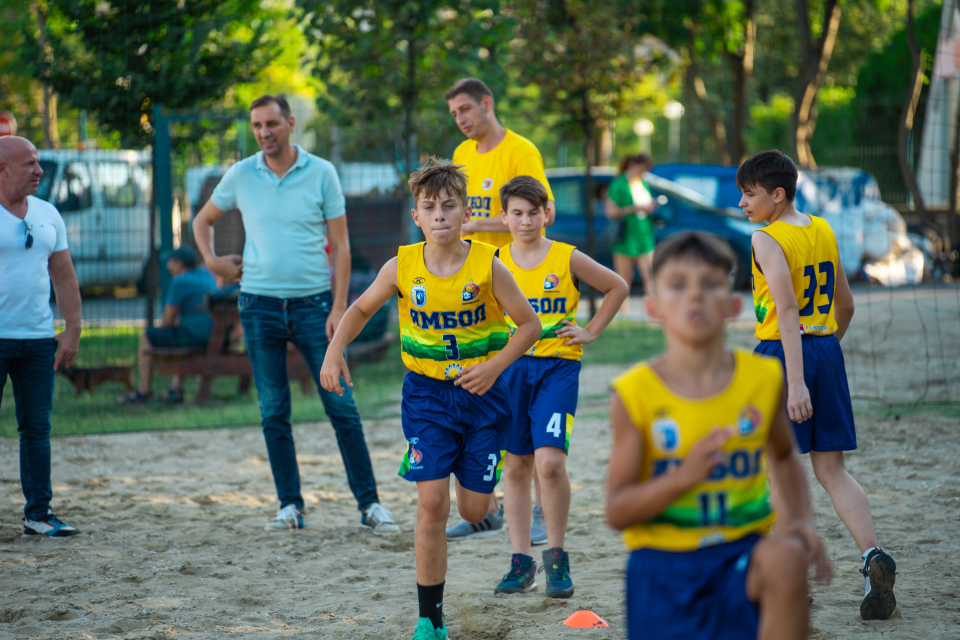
(545, 381)
(695, 431)
(804, 306)
(452, 295)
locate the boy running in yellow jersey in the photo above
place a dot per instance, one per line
(452, 295)
(695, 432)
(545, 381)
(804, 306)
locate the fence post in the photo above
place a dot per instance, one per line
(163, 187)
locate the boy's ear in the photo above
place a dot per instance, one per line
(467, 213)
(416, 216)
(653, 307)
(779, 195)
(736, 305)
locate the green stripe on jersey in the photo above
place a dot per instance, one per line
(468, 350)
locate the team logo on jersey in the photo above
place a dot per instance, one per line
(470, 292)
(453, 371)
(487, 184)
(418, 281)
(418, 294)
(749, 420)
(666, 434)
(551, 282)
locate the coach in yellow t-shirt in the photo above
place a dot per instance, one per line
(492, 156)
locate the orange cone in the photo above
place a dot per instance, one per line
(585, 620)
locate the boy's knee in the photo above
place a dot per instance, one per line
(433, 505)
(518, 468)
(551, 464)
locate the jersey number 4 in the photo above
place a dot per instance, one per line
(826, 289)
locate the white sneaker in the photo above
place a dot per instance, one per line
(287, 518)
(379, 519)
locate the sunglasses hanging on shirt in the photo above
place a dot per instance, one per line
(27, 229)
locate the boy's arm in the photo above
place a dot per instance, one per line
(356, 317)
(480, 377)
(629, 501)
(842, 302)
(613, 288)
(786, 473)
(770, 258)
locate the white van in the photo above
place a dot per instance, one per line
(104, 198)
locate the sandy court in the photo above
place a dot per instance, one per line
(173, 544)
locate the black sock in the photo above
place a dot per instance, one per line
(431, 603)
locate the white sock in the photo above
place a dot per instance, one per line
(863, 557)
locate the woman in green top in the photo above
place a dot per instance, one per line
(629, 200)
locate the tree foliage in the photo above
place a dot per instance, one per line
(118, 59)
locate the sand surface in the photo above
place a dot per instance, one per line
(173, 544)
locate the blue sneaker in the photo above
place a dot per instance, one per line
(491, 524)
(49, 526)
(556, 563)
(522, 576)
(426, 631)
(538, 530)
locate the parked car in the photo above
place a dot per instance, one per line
(680, 209)
(104, 198)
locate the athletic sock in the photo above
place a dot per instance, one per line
(431, 603)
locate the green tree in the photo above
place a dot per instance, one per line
(119, 59)
(386, 63)
(587, 59)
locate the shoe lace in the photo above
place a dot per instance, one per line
(516, 570)
(52, 520)
(555, 570)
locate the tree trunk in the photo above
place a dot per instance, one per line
(409, 136)
(814, 60)
(700, 91)
(741, 65)
(909, 111)
(48, 107)
(588, 124)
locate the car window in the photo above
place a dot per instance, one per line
(116, 182)
(568, 195)
(74, 192)
(46, 180)
(707, 186)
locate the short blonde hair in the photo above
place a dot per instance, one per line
(438, 175)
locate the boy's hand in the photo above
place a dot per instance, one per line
(806, 532)
(799, 405)
(577, 335)
(705, 455)
(334, 367)
(478, 378)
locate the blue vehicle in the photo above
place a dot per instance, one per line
(680, 209)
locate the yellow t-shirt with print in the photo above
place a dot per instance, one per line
(448, 323)
(553, 293)
(735, 500)
(813, 258)
(487, 172)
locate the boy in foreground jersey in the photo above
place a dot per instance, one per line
(804, 306)
(544, 382)
(695, 431)
(452, 295)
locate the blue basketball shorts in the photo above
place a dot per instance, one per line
(694, 595)
(450, 430)
(544, 393)
(831, 427)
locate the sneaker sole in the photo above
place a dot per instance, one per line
(512, 590)
(43, 535)
(559, 593)
(380, 533)
(537, 543)
(880, 603)
(478, 534)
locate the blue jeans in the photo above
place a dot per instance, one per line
(268, 324)
(29, 363)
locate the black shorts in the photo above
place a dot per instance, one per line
(174, 337)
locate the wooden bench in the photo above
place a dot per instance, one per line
(222, 358)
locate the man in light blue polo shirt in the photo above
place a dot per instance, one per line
(291, 203)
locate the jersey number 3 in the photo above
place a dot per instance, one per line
(826, 289)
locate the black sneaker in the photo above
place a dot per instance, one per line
(556, 563)
(50, 526)
(880, 572)
(522, 576)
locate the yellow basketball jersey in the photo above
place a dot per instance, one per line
(448, 324)
(735, 500)
(553, 293)
(487, 172)
(812, 256)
